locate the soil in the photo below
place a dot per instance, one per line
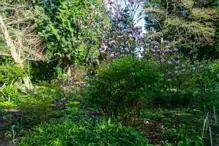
(152, 129)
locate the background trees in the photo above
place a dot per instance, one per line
(188, 24)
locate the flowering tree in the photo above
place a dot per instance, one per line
(124, 36)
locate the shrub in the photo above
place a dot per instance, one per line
(122, 86)
(84, 132)
(37, 108)
(9, 93)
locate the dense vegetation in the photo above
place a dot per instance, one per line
(78, 72)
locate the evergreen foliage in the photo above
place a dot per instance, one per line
(189, 24)
(65, 26)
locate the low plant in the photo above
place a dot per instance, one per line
(36, 108)
(152, 116)
(180, 138)
(83, 132)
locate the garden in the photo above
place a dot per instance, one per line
(109, 72)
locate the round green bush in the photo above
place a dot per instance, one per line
(123, 85)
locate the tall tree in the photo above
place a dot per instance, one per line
(189, 24)
(66, 27)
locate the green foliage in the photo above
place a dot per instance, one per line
(67, 30)
(11, 72)
(16, 132)
(122, 86)
(7, 105)
(152, 116)
(194, 82)
(9, 93)
(43, 71)
(188, 24)
(40, 106)
(90, 132)
(49, 89)
(180, 138)
(37, 108)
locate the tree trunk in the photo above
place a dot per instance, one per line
(10, 44)
(14, 53)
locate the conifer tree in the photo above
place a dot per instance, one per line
(189, 24)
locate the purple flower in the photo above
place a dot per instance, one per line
(110, 9)
(120, 37)
(162, 60)
(153, 50)
(102, 52)
(102, 23)
(80, 22)
(65, 88)
(166, 51)
(178, 62)
(132, 1)
(112, 43)
(82, 84)
(59, 79)
(70, 80)
(96, 61)
(158, 51)
(111, 2)
(167, 47)
(170, 62)
(92, 24)
(156, 47)
(118, 5)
